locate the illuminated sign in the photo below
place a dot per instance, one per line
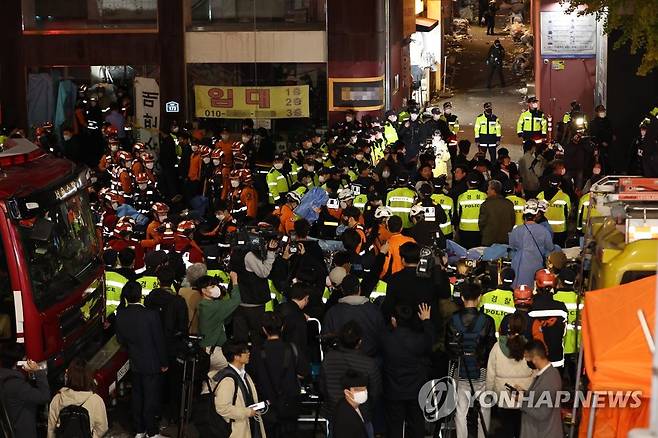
(251, 102)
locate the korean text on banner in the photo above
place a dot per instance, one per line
(251, 102)
(147, 110)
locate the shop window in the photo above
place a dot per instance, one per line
(89, 14)
(259, 14)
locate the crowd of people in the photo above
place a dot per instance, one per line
(341, 266)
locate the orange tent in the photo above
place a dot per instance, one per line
(617, 357)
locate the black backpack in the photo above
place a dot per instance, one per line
(73, 422)
(206, 419)
(471, 361)
(287, 403)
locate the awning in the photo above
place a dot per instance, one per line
(425, 24)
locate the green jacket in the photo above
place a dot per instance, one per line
(213, 315)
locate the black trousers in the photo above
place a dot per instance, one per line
(404, 418)
(247, 324)
(509, 423)
(490, 25)
(145, 395)
(560, 238)
(492, 69)
(470, 239)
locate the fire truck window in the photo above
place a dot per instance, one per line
(59, 259)
(6, 299)
(635, 275)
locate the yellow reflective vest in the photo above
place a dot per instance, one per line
(584, 211)
(558, 211)
(519, 203)
(570, 300)
(532, 123)
(448, 205)
(468, 205)
(487, 130)
(277, 184)
(498, 303)
(114, 283)
(360, 201)
(148, 283)
(401, 200)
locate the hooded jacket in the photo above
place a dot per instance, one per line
(502, 369)
(365, 313)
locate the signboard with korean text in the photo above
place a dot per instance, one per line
(567, 35)
(147, 111)
(285, 102)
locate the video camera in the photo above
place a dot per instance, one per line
(253, 239)
(432, 256)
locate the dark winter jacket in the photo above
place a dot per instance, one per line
(364, 313)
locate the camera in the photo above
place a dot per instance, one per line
(254, 239)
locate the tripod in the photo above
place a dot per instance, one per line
(187, 393)
(455, 371)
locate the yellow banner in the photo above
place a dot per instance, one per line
(251, 102)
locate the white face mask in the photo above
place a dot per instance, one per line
(322, 179)
(215, 162)
(278, 166)
(150, 165)
(174, 129)
(195, 148)
(596, 170)
(162, 218)
(359, 157)
(447, 111)
(436, 117)
(360, 397)
(602, 114)
(393, 119)
(414, 117)
(386, 174)
(115, 205)
(348, 119)
(225, 137)
(245, 139)
(379, 136)
(343, 205)
(143, 186)
(309, 168)
(114, 148)
(66, 137)
(353, 140)
(220, 217)
(534, 105)
(206, 160)
(215, 292)
(235, 183)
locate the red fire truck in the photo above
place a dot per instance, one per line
(52, 289)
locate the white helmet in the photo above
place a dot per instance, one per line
(345, 194)
(416, 210)
(293, 197)
(542, 205)
(531, 207)
(383, 212)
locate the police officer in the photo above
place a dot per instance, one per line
(391, 127)
(488, 131)
(532, 123)
(400, 199)
(566, 294)
(424, 232)
(468, 212)
(499, 302)
(436, 123)
(575, 120)
(442, 199)
(278, 182)
(451, 118)
(519, 202)
(411, 135)
(559, 207)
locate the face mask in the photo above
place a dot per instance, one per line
(215, 162)
(114, 148)
(447, 111)
(215, 292)
(322, 178)
(534, 105)
(195, 148)
(309, 168)
(563, 171)
(206, 160)
(235, 183)
(643, 132)
(378, 136)
(220, 217)
(596, 170)
(386, 174)
(149, 165)
(174, 129)
(278, 166)
(143, 186)
(348, 119)
(530, 365)
(343, 205)
(488, 112)
(359, 157)
(360, 397)
(353, 140)
(115, 205)
(225, 137)
(67, 137)
(245, 139)
(393, 119)
(414, 117)
(436, 117)
(162, 218)
(602, 114)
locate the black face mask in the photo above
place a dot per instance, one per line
(488, 112)
(531, 365)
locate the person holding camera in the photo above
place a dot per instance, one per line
(470, 337)
(214, 310)
(19, 397)
(254, 271)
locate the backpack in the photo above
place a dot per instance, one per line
(73, 422)
(206, 419)
(470, 343)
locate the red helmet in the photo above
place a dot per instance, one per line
(160, 208)
(216, 154)
(185, 227)
(545, 278)
(137, 148)
(124, 155)
(40, 132)
(111, 131)
(126, 220)
(147, 157)
(141, 178)
(235, 173)
(245, 176)
(236, 147)
(204, 151)
(523, 295)
(239, 160)
(114, 197)
(122, 229)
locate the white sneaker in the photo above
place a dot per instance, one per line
(141, 435)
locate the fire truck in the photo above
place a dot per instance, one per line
(621, 239)
(52, 288)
